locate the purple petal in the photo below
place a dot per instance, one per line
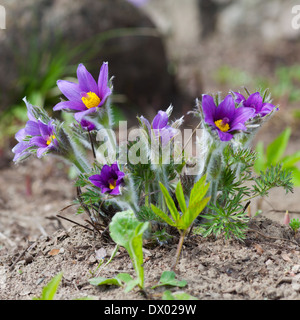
(96, 180)
(20, 135)
(40, 151)
(116, 191)
(146, 122)
(72, 105)
(225, 109)
(87, 125)
(225, 136)
(267, 108)
(209, 109)
(160, 120)
(102, 81)
(167, 134)
(20, 150)
(38, 141)
(241, 115)
(32, 128)
(20, 147)
(239, 97)
(86, 81)
(255, 101)
(45, 130)
(30, 113)
(79, 115)
(105, 94)
(69, 89)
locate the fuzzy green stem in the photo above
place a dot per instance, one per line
(179, 248)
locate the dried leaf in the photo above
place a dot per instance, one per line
(258, 248)
(53, 252)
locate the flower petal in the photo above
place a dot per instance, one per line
(146, 123)
(103, 80)
(267, 108)
(209, 109)
(239, 97)
(86, 81)
(79, 115)
(96, 180)
(225, 109)
(225, 136)
(255, 100)
(38, 141)
(30, 112)
(20, 135)
(160, 120)
(241, 115)
(116, 191)
(72, 105)
(40, 151)
(69, 89)
(45, 130)
(32, 128)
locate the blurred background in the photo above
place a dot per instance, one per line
(160, 52)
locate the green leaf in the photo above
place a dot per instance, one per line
(199, 190)
(127, 231)
(290, 160)
(131, 284)
(163, 215)
(168, 279)
(124, 277)
(50, 289)
(170, 203)
(168, 295)
(100, 281)
(180, 197)
(276, 149)
(260, 162)
(295, 176)
(193, 211)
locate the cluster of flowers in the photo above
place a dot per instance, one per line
(231, 120)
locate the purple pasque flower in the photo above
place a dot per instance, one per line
(87, 95)
(35, 137)
(43, 136)
(160, 126)
(255, 101)
(87, 125)
(109, 180)
(225, 117)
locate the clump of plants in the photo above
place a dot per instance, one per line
(145, 181)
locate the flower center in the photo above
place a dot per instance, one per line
(90, 100)
(112, 185)
(50, 139)
(222, 124)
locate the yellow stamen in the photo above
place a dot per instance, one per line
(50, 139)
(112, 185)
(224, 127)
(91, 100)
